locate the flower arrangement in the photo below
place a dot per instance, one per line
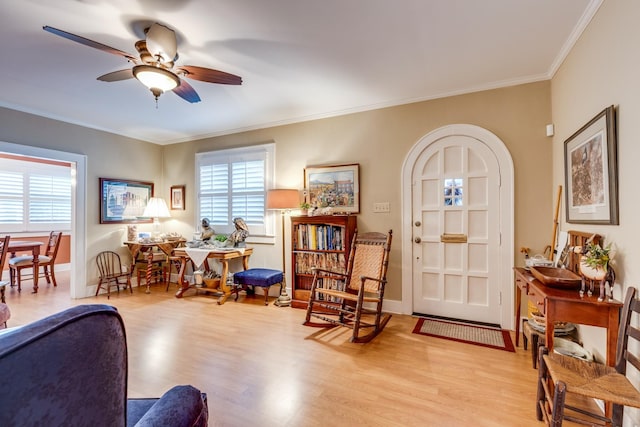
(596, 256)
(595, 266)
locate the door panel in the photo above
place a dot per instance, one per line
(456, 191)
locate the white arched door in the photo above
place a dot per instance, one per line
(459, 256)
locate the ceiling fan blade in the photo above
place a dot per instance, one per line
(88, 42)
(186, 92)
(209, 75)
(116, 76)
(161, 42)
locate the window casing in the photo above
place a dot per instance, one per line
(233, 183)
(34, 196)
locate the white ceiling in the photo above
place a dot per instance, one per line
(299, 59)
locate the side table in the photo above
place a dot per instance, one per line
(568, 306)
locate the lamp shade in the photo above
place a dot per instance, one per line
(156, 208)
(283, 199)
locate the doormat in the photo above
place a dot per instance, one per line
(465, 332)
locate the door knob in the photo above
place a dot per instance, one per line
(417, 240)
(418, 223)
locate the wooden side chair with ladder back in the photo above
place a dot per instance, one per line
(560, 376)
(47, 262)
(5, 313)
(353, 299)
(112, 272)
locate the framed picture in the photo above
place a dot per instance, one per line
(591, 172)
(177, 197)
(337, 187)
(123, 201)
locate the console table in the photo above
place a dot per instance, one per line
(146, 248)
(223, 256)
(568, 306)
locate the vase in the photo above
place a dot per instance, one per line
(593, 273)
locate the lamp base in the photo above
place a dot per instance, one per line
(283, 300)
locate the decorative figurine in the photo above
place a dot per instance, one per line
(240, 234)
(595, 269)
(207, 230)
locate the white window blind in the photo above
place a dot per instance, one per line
(233, 183)
(34, 196)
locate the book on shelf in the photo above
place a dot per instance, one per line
(319, 237)
(305, 261)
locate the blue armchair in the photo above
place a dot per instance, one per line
(70, 369)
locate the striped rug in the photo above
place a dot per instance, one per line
(485, 336)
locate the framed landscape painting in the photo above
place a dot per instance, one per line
(336, 187)
(123, 201)
(591, 172)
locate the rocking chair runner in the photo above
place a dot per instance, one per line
(354, 299)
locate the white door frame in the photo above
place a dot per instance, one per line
(505, 164)
(78, 276)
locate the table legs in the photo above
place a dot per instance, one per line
(36, 269)
(184, 284)
(149, 269)
(224, 289)
(518, 304)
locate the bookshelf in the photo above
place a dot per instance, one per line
(322, 241)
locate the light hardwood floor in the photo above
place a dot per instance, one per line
(261, 367)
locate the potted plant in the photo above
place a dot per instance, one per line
(304, 207)
(594, 263)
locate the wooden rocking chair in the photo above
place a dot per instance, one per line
(354, 299)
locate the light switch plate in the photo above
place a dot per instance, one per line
(381, 207)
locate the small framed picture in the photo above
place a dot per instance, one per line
(177, 197)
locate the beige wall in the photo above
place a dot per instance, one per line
(379, 140)
(602, 70)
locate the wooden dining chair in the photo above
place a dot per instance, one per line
(559, 376)
(47, 263)
(112, 272)
(354, 298)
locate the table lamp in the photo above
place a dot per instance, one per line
(283, 200)
(156, 209)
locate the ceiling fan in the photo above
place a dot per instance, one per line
(155, 67)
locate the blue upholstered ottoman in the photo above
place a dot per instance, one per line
(262, 277)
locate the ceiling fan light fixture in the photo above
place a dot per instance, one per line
(156, 78)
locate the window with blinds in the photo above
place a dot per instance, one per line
(34, 196)
(233, 183)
